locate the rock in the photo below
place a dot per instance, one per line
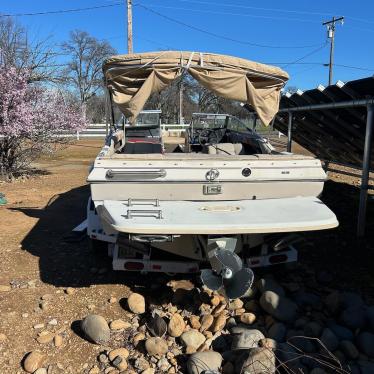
(136, 303)
(302, 298)
(288, 355)
(156, 346)
(354, 317)
(163, 365)
(192, 338)
(39, 326)
(329, 339)
(365, 341)
(53, 322)
(246, 339)
(277, 332)
(96, 329)
(239, 312)
(278, 306)
(349, 349)
(228, 368)
(259, 360)
(219, 323)
(269, 284)
(252, 306)
(45, 337)
(137, 338)
(141, 364)
(324, 277)
(298, 340)
(94, 370)
(195, 322)
(268, 343)
(122, 352)
(204, 361)
(5, 288)
(235, 304)
(313, 329)
(41, 371)
(3, 338)
(206, 321)
(112, 300)
(350, 299)
(181, 284)
(157, 326)
(333, 302)
(120, 363)
(119, 324)
(366, 367)
(149, 371)
(340, 331)
(70, 291)
(176, 325)
(58, 340)
(215, 300)
(33, 361)
(247, 318)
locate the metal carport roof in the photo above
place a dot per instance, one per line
(334, 134)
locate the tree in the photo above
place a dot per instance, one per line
(33, 119)
(18, 52)
(84, 71)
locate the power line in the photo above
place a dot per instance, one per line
(234, 14)
(217, 35)
(62, 11)
(307, 55)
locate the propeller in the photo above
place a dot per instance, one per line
(227, 274)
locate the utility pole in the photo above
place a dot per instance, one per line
(129, 26)
(331, 35)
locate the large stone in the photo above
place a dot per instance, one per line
(278, 306)
(354, 317)
(341, 332)
(201, 362)
(349, 349)
(176, 325)
(219, 323)
(33, 361)
(329, 339)
(269, 284)
(236, 304)
(246, 339)
(366, 367)
(350, 299)
(365, 341)
(119, 324)
(96, 329)
(136, 303)
(259, 360)
(277, 331)
(333, 302)
(302, 298)
(156, 346)
(192, 338)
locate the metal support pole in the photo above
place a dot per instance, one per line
(289, 134)
(365, 172)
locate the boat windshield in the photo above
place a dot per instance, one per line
(209, 121)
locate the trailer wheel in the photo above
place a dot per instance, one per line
(97, 246)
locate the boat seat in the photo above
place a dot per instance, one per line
(225, 148)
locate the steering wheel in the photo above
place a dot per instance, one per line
(208, 137)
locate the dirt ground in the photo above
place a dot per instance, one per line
(39, 262)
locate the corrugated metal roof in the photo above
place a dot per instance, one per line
(331, 134)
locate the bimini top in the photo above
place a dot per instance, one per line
(133, 78)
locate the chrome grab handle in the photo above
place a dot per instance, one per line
(131, 213)
(152, 238)
(132, 202)
(154, 173)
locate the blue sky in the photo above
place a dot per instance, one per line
(273, 23)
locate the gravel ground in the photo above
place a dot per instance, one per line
(50, 284)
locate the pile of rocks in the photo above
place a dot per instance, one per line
(299, 324)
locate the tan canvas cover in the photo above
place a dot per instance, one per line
(133, 78)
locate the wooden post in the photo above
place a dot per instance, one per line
(129, 27)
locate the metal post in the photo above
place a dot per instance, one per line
(129, 27)
(289, 135)
(365, 172)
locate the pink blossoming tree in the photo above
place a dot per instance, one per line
(33, 120)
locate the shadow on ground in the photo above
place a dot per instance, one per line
(73, 264)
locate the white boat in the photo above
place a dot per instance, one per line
(224, 199)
